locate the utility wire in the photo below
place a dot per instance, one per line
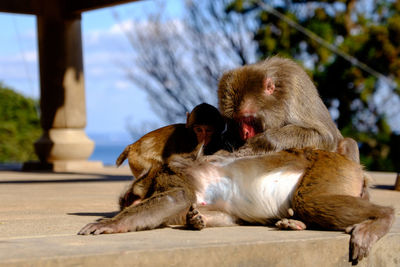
(331, 47)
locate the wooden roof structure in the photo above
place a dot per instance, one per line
(40, 7)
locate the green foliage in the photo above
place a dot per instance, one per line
(19, 126)
(371, 37)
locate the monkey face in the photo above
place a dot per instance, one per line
(203, 133)
(249, 126)
(247, 118)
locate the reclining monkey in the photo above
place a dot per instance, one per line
(324, 189)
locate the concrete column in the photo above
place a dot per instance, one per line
(64, 145)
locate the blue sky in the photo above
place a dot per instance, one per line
(112, 101)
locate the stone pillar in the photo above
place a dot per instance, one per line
(64, 145)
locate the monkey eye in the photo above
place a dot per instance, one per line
(249, 120)
(252, 121)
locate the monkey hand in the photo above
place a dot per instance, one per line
(290, 224)
(106, 226)
(361, 241)
(245, 150)
(222, 152)
(194, 219)
(257, 145)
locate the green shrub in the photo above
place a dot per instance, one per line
(19, 126)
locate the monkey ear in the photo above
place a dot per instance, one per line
(268, 86)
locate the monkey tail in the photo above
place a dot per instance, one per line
(123, 156)
(367, 179)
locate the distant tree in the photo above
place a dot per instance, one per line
(178, 61)
(352, 50)
(19, 126)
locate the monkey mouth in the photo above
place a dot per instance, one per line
(249, 127)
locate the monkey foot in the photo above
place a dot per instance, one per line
(361, 240)
(290, 224)
(194, 219)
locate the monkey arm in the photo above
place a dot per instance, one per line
(148, 214)
(290, 136)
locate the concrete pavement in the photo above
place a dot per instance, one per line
(40, 214)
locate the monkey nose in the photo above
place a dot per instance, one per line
(247, 132)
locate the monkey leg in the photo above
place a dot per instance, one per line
(139, 189)
(128, 198)
(148, 214)
(365, 221)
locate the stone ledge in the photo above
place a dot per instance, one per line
(233, 246)
(41, 212)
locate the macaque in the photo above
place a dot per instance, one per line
(204, 125)
(207, 124)
(273, 105)
(296, 188)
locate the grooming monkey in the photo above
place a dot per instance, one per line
(203, 125)
(273, 105)
(323, 189)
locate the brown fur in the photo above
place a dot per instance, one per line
(290, 115)
(167, 199)
(150, 152)
(328, 196)
(156, 147)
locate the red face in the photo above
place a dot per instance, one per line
(203, 133)
(248, 127)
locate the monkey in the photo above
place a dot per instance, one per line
(348, 147)
(273, 105)
(207, 124)
(321, 189)
(170, 196)
(204, 124)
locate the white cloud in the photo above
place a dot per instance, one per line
(17, 58)
(31, 56)
(121, 28)
(123, 85)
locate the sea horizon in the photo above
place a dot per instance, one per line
(107, 153)
(108, 146)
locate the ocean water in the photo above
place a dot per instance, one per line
(109, 145)
(107, 153)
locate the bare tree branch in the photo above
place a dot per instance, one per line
(178, 62)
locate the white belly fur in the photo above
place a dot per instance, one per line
(253, 199)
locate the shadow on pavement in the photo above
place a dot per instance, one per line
(95, 214)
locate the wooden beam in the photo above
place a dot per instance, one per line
(20, 6)
(79, 6)
(35, 7)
